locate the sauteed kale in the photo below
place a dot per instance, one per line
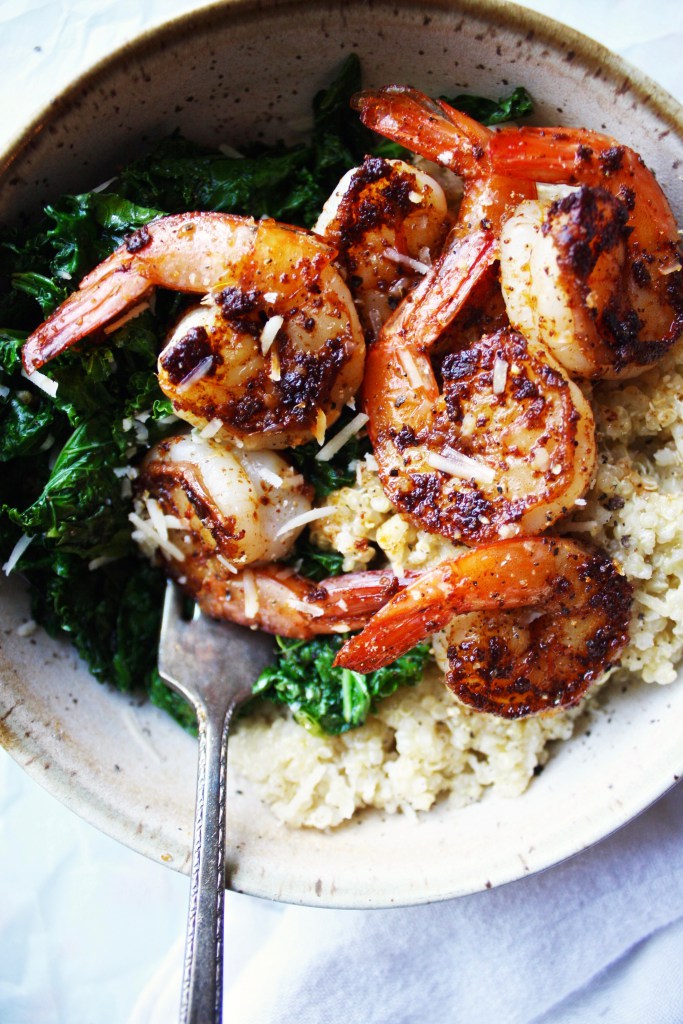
(64, 481)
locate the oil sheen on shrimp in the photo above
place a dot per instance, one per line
(273, 352)
(505, 446)
(530, 624)
(597, 275)
(388, 221)
(219, 520)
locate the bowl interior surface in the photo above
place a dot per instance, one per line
(229, 74)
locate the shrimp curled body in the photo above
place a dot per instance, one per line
(596, 275)
(530, 624)
(505, 446)
(388, 220)
(226, 517)
(273, 352)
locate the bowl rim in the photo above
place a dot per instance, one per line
(507, 13)
(501, 12)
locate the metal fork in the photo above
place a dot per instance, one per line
(213, 666)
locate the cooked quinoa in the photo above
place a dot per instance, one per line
(422, 745)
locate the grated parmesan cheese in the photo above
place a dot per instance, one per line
(41, 381)
(97, 563)
(305, 517)
(146, 529)
(132, 313)
(230, 151)
(200, 371)
(102, 187)
(405, 261)
(16, 553)
(308, 609)
(251, 602)
(269, 332)
(211, 428)
(500, 375)
(339, 440)
(228, 565)
(407, 360)
(462, 466)
(268, 476)
(157, 517)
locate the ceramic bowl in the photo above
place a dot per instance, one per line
(244, 70)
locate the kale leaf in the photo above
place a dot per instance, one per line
(110, 614)
(508, 108)
(168, 700)
(72, 236)
(313, 562)
(325, 699)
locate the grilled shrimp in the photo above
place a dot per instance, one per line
(219, 520)
(530, 624)
(388, 220)
(509, 444)
(450, 138)
(272, 353)
(596, 276)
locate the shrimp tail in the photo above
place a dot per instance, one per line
(433, 129)
(94, 304)
(448, 137)
(471, 582)
(579, 156)
(279, 601)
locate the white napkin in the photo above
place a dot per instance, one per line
(512, 954)
(565, 945)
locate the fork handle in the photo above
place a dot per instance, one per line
(202, 991)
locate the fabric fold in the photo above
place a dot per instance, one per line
(506, 955)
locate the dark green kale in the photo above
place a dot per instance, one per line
(72, 236)
(179, 175)
(340, 470)
(62, 485)
(332, 700)
(170, 701)
(109, 613)
(508, 108)
(313, 562)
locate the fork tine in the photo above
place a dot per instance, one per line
(201, 654)
(171, 635)
(173, 607)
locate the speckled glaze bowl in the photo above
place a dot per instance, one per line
(249, 69)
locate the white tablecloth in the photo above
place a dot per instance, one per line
(91, 933)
